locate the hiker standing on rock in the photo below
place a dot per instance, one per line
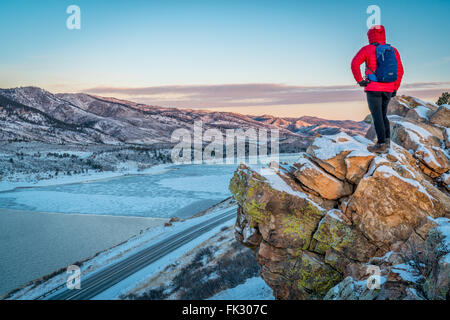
(383, 76)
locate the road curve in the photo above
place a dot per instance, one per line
(104, 279)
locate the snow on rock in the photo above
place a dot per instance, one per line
(422, 112)
(406, 272)
(253, 289)
(331, 152)
(446, 180)
(426, 141)
(352, 289)
(416, 131)
(444, 228)
(325, 147)
(389, 171)
(336, 214)
(273, 178)
(441, 117)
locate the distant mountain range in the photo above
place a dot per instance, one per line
(33, 114)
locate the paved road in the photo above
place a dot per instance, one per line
(100, 281)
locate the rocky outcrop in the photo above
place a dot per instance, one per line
(321, 225)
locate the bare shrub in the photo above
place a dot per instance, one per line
(229, 272)
(153, 294)
(196, 281)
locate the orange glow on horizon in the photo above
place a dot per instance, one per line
(350, 110)
(343, 110)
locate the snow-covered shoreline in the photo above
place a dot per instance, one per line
(123, 250)
(21, 182)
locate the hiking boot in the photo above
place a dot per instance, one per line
(388, 142)
(378, 148)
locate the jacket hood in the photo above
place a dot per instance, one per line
(377, 34)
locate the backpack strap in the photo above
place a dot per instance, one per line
(369, 69)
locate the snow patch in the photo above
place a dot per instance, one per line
(328, 147)
(422, 111)
(335, 214)
(406, 272)
(415, 129)
(253, 289)
(388, 171)
(277, 183)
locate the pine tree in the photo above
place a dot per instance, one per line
(443, 99)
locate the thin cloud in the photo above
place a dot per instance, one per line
(441, 61)
(247, 95)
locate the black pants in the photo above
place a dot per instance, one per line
(378, 104)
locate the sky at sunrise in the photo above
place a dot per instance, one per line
(286, 58)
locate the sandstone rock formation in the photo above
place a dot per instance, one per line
(320, 226)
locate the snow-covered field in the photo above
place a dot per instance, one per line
(23, 181)
(161, 191)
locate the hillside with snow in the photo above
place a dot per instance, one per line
(33, 114)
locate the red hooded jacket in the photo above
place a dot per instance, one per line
(367, 54)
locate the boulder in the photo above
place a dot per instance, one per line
(398, 106)
(423, 274)
(441, 117)
(447, 138)
(285, 217)
(446, 181)
(315, 178)
(413, 102)
(357, 164)
(329, 152)
(419, 113)
(387, 205)
(334, 233)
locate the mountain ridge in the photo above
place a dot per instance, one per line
(108, 120)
